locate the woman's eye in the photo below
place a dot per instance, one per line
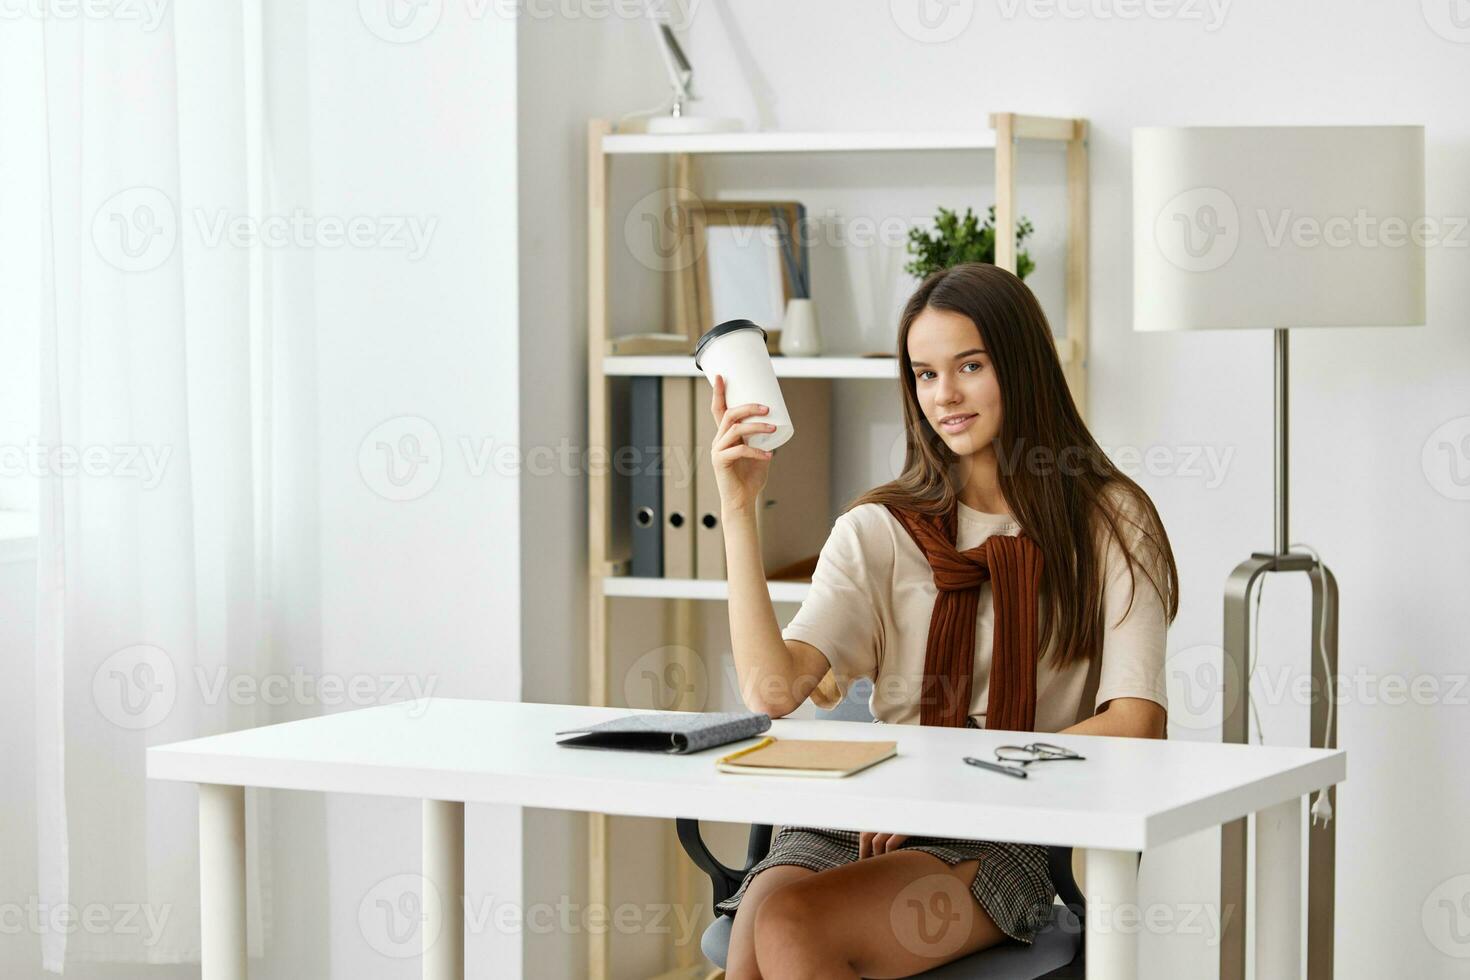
(921, 375)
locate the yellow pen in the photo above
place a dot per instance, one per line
(759, 745)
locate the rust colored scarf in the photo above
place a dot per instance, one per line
(1013, 567)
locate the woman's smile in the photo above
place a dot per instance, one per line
(957, 422)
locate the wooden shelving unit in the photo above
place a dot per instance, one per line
(999, 140)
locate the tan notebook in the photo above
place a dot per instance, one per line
(806, 757)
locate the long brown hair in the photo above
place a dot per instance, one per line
(1060, 485)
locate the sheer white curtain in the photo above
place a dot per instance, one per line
(153, 550)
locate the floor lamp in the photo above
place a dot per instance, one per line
(1279, 228)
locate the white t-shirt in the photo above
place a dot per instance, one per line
(873, 593)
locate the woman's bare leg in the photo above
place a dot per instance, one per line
(889, 916)
(740, 963)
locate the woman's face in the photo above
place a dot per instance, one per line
(955, 380)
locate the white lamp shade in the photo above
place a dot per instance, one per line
(1262, 226)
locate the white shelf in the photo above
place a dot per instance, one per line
(676, 365)
(811, 142)
(691, 588)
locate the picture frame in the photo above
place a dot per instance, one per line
(735, 267)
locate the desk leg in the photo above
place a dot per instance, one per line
(221, 882)
(444, 871)
(1112, 914)
(1279, 890)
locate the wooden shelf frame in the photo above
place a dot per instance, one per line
(1002, 139)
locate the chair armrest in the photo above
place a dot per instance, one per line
(724, 880)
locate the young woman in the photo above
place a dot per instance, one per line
(1011, 578)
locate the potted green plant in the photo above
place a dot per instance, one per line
(956, 240)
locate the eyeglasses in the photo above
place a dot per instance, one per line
(1013, 759)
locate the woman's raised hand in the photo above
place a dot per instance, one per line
(740, 470)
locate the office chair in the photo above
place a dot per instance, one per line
(1057, 953)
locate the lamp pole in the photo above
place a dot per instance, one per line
(1283, 483)
(1235, 723)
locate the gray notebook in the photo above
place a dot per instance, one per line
(680, 733)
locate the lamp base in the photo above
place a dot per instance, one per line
(1291, 561)
(686, 125)
(1235, 719)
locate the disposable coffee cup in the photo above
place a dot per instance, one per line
(736, 350)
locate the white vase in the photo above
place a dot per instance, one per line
(799, 334)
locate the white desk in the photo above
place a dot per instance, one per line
(1128, 796)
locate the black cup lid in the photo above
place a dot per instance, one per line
(729, 326)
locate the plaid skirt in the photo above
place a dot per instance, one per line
(1013, 883)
